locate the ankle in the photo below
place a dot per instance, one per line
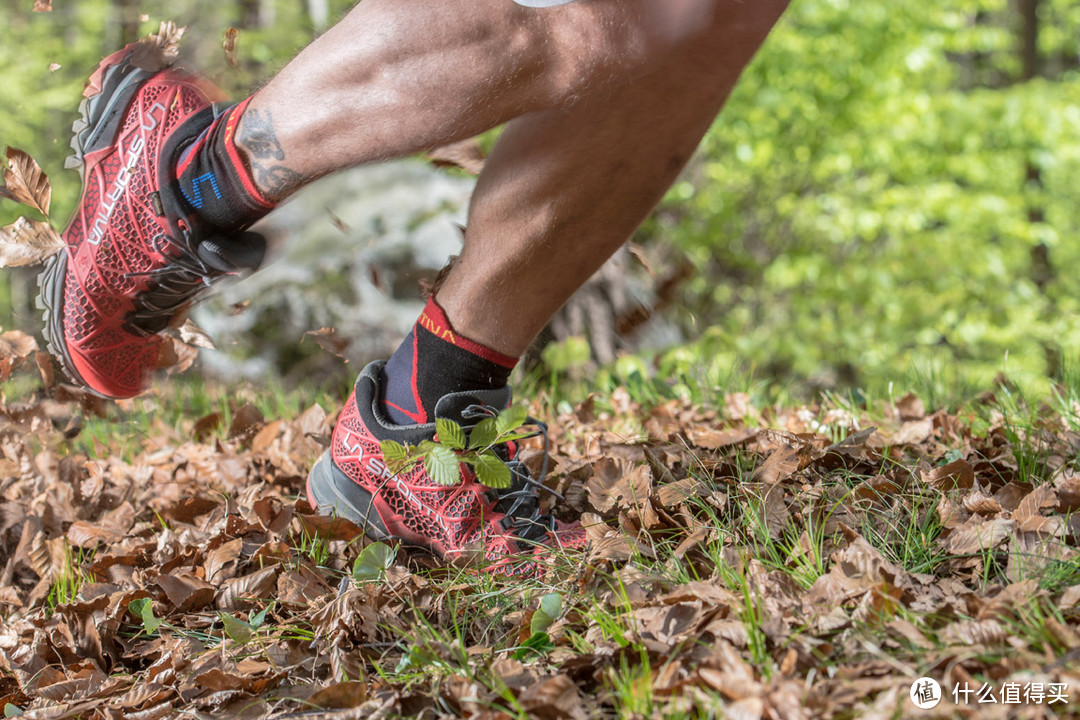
(436, 360)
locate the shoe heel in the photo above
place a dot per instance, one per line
(50, 301)
(330, 492)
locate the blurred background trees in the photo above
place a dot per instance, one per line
(892, 185)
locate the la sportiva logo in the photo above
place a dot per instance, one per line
(123, 178)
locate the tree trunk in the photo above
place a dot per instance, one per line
(1042, 269)
(126, 19)
(319, 12)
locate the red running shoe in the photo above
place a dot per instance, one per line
(134, 256)
(504, 528)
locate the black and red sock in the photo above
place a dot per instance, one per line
(213, 178)
(435, 360)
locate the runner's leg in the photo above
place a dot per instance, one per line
(398, 76)
(565, 187)
(562, 190)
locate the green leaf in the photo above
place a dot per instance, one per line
(511, 419)
(237, 629)
(483, 435)
(419, 656)
(259, 618)
(549, 611)
(572, 353)
(373, 561)
(442, 465)
(538, 644)
(144, 609)
(12, 710)
(450, 433)
(395, 454)
(510, 437)
(492, 471)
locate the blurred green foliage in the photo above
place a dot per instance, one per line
(886, 189)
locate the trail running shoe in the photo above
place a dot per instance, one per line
(134, 258)
(502, 529)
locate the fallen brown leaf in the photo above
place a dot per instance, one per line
(975, 536)
(954, 475)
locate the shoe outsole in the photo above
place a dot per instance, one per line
(112, 87)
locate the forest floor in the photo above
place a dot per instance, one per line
(745, 562)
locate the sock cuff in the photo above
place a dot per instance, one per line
(223, 130)
(231, 120)
(434, 320)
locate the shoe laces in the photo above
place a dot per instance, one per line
(520, 501)
(173, 285)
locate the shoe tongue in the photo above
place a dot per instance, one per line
(229, 254)
(452, 405)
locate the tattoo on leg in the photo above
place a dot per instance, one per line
(256, 135)
(277, 180)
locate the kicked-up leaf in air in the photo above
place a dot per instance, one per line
(26, 182)
(15, 346)
(328, 339)
(192, 334)
(28, 242)
(464, 154)
(159, 50)
(229, 46)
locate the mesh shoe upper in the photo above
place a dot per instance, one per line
(129, 262)
(502, 528)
